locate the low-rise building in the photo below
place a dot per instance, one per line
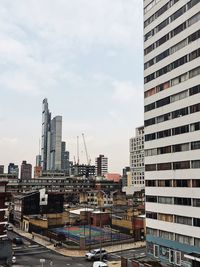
(5, 243)
(36, 204)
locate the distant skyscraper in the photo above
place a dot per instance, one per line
(1, 169)
(46, 124)
(65, 164)
(137, 159)
(26, 170)
(51, 140)
(55, 143)
(101, 165)
(13, 169)
(38, 160)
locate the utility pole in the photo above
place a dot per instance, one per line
(100, 236)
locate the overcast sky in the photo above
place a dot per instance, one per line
(86, 57)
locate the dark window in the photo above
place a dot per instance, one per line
(195, 164)
(195, 145)
(148, 35)
(149, 107)
(150, 183)
(181, 165)
(149, 49)
(194, 36)
(178, 29)
(151, 199)
(177, 63)
(196, 202)
(195, 126)
(149, 137)
(178, 13)
(194, 54)
(163, 102)
(162, 25)
(195, 108)
(164, 133)
(149, 63)
(196, 183)
(182, 183)
(150, 167)
(196, 222)
(195, 90)
(149, 78)
(149, 122)
(162, 55)
(162, 40)
(180, 130)
(151, 215)
(180, 147)
(192, 3)
(164, 166)
(162, 10)
(164, 150)
(180, 113)
(182, 201)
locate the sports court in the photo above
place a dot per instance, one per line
(93, 235)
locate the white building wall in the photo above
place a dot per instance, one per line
(192, 191)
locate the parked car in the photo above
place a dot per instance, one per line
(96, 254)
(14, 260)
(18, 241)
(9, 227)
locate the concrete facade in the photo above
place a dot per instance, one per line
(171, 105)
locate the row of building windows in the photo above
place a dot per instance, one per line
(182, 201)
(172, 149)
(174, 114)
(173, 98)
(165, 22)
(164, 8)
(173, 33)
(160, 11)
(173, 183)
(150, 5)
(178, 165)
(174, 131)
(179, 79)
(173, 218)
(174, 237)
(191, 38)
(175, 64)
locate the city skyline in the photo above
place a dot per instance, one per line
(75, 68)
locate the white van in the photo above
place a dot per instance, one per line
(99, 264)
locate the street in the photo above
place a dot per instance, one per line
(31, 254)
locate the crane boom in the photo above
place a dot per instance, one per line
(86, 153)
(78, 150)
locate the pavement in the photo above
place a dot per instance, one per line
(78, 253)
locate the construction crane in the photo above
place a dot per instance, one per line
(78, 150)
(86, 153)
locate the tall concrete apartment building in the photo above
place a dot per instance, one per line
(46, 125)
(56, 143)
(172, 130)
(101, 165)
(51, 146)
(137, 159)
